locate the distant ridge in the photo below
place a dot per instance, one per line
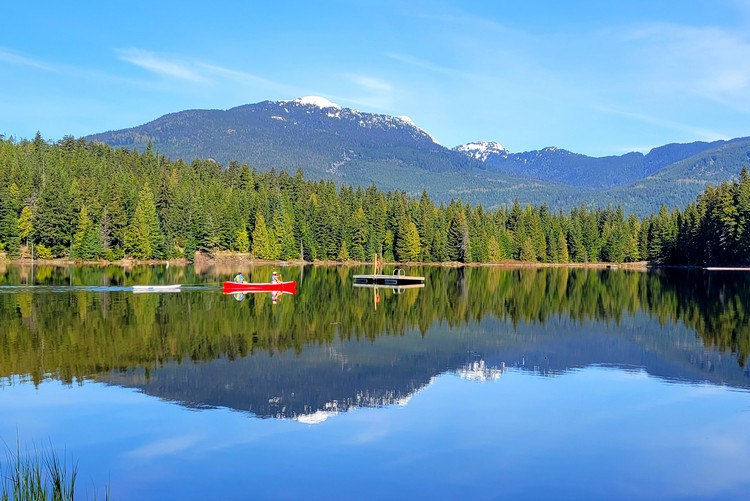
(329, 141)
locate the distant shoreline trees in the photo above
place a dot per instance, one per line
(86, 200)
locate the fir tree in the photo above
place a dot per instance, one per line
(495, 252)
(25, 224)
(242, 241)
(408, 244)
(86, 241)
(457, 248)
(343, 252)
(263, 246)
(143, 238)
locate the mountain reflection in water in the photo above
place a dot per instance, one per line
(332, 348)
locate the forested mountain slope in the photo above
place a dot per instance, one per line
(328, 141)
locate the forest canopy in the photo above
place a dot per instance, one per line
(89, 201)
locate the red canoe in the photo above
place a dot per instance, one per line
(234, 287)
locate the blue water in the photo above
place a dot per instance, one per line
(595, 433)
(560, 384)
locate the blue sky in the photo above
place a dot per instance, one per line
(593, 77)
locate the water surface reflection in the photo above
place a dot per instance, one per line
(487, 382)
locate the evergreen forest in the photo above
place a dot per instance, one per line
(88, 201)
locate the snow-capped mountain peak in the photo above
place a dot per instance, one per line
(363, 120)
(406, 119)
(318, 101)
(481, 150)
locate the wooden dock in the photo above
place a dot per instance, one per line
(389, 286)
(397, 279)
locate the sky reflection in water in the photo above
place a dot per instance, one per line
(593, 433)
(487, 383)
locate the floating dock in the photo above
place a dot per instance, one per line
(397, 279)
(384, 286)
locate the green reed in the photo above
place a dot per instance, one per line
(41, 475)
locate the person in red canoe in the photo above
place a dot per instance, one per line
(275, 279)
(239, 278)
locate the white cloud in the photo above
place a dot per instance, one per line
(157, 64)
(237, 75)
(419, 63)
(12, 57)
(707, 62)
(371, 93)
(370, 83)
(701, 133)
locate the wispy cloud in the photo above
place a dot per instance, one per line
(460, 18)
(419, 63)
(372, 84)
(369, 93)
(240, 76)
(698, 132)
(12, 57)
(706, 61)
(160, 65)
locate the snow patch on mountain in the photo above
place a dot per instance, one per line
(482, 150)
(406, 120)
(318, 101)
(362, 119)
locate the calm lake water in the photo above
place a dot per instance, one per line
(487, 383)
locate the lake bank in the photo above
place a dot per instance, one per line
(224, 258)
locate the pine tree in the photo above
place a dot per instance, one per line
(528, 250)
(143, 237)
(9, 230)
(457, 245)
(242, 241)
(562, 248)
(743, 213)
(283, 228)
(263, 246)
(426, 226)
(632, 253)
(86, 241)
(663, 237)
(535, 231)
(26, 224)
(388, 246)
(591, 238)
(137, 239)
(577, 250)
(359, 235)
(494, 251)
(408, 243)
(343, 252)
(54, 219)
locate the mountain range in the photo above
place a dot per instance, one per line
(328, 141)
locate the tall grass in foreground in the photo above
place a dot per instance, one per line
(40, 476)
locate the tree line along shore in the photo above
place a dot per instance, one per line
(232, 258)
(85, 202)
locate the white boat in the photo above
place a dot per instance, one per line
(156, 288)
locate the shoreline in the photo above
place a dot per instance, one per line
(240, 259)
